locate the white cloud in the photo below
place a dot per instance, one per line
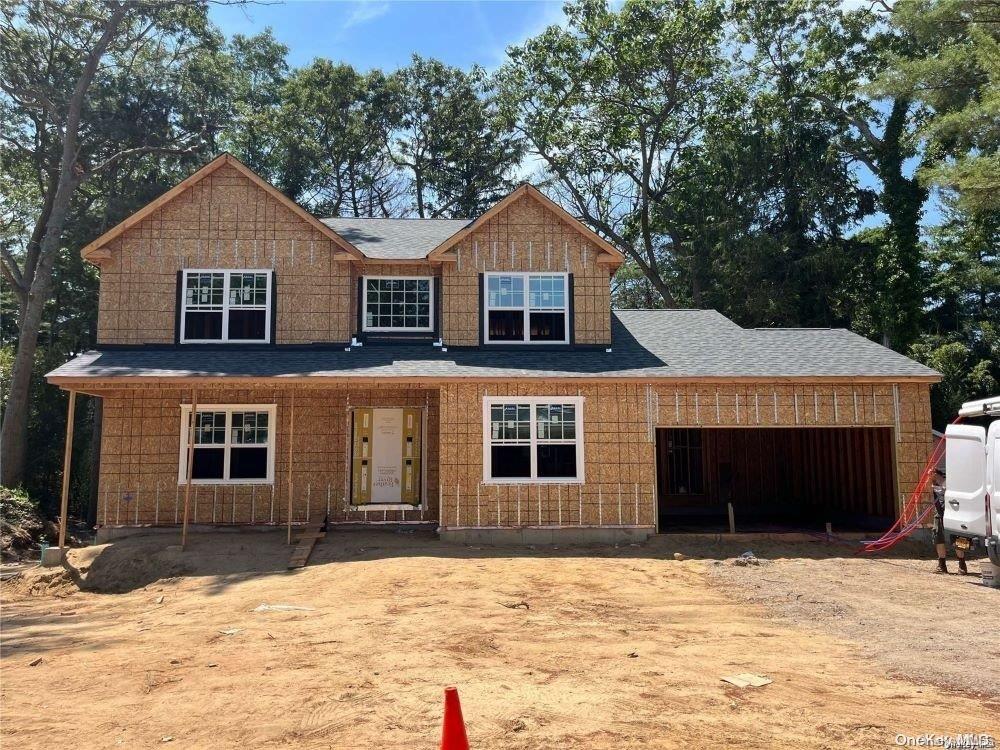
(365, 11)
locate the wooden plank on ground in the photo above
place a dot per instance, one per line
(312, 534)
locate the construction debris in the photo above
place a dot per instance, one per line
(747, 679)
(747, 558)
(282, 608)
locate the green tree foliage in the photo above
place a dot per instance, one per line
(958, 81)
(961, 336)
(448, 137)
(610, 104)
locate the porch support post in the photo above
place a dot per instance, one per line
(291, 439)
(189, 469)
(67, 461)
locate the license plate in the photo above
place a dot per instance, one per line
(962, 543)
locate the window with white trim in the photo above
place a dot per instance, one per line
(226, 306)
(526, 308)
(533, 439)
(233, 444)
(398, 303)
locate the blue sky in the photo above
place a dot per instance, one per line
(380, 34)
(385, 33)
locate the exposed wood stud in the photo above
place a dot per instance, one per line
(189, 469)
(291, 444)
(67, 466)
(895, 411)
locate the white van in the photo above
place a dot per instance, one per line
(972, 475)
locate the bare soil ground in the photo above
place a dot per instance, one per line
(550, 648)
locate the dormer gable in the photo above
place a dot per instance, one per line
(98, 251)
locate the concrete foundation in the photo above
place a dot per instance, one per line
(53, 557)
(541, 535)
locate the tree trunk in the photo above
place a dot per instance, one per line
(13, 432)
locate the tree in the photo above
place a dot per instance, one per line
(448, 136)
(87, 88)
(334, 122)
(961, 336)
(827, 56)
(257, 70)
(610, 105)
(958, 80)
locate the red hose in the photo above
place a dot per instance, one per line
(912, 516)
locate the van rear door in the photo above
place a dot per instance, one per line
(993, 476)
(965, 500)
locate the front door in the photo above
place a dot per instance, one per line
(386, 456)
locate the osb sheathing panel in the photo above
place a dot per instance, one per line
(223, 221)
(619, 429)
(140, 449)
(141, 443)
(525, 237)
(618, 459)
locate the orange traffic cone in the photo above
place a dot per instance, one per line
(453, 727)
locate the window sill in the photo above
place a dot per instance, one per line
(384, 506)
(228, 482)
(526, 480)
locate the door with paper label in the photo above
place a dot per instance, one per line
(386, 456)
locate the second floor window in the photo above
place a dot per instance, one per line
(397, 304)
(526, 308)
(226, 306)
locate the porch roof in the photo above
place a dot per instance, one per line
(647, 344)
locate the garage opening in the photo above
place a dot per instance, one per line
(776, 478)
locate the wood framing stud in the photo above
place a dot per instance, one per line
(67, 462)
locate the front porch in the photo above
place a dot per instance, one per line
(315, 464)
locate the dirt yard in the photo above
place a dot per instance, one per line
(550, 648)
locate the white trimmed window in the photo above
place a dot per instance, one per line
(233, 444)
(526, 308)
(226, 306)
(533, 439)
(397, 303)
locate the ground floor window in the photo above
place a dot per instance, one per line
(233, 444)
(533, 439)
(686, 472)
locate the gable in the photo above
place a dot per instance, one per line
(235, 189)
(608, 253)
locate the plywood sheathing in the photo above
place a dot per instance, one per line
(141, 447)
(525, 237)
(223, 221)
(141, 444)
(619, 426)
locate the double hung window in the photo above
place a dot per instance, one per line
(526, 308)
(226, 306)
(233, 444)
(533, 439)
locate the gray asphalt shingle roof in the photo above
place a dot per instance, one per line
(395, 239)
(646, 343)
